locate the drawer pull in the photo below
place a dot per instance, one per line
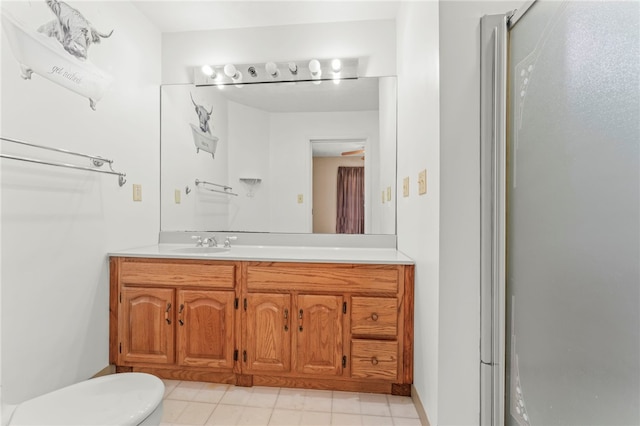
(374, 360)
(374, 316)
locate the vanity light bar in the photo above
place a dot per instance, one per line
(306, 70)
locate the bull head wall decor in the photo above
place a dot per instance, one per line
(202, 137)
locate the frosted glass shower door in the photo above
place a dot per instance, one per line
(573, 217)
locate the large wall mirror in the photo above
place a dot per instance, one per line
(304, 157)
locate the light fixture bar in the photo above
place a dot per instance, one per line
(286, 71)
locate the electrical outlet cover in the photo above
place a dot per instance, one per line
(422, 182)
(137, 192)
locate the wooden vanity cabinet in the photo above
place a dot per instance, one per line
(174, 318)
(311, 325)
(329, 326)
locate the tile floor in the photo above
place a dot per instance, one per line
(199, 403)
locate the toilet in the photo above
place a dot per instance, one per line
(116, 399)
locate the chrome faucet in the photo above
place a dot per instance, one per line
(198, 239)
(211, 241)
(227, 242)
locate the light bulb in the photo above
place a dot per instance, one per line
(336, 65)
(208, 71)
(314, 67)
(231, 71)
(272, 69)
(293, 68)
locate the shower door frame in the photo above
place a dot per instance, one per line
(494, 31)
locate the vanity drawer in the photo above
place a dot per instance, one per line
(175, 273)
(374, 359)
(323, 277)
(374, 316)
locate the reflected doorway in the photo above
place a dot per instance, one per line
(329, 155)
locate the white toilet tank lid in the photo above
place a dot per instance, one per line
(116, 399)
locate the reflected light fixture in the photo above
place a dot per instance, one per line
(272, 69)
(336, 66)
(231, 72)
(314, 68)
(209, 71)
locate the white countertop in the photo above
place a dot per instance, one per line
(274, 253)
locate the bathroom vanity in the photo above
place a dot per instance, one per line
(323, 318)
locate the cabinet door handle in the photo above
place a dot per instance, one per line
(374, 316)
(300, 318)
(166, 313)
(374, 360)
(300, 314)
(286, 320)
(180, 321)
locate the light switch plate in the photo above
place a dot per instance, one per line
(422, 182)
(176, 196)
(300, 198)
(405, 187)
(383, 196)
(137, 192)
(388, 193)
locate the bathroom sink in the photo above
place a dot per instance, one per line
(201, 250)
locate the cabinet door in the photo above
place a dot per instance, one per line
(319, 335)
(205, 328)
(268, 335)
(146, 330)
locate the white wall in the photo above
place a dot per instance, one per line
(383, 215)
(372, 41)
(418, 216)
(58, 224)
(182, 164)
(459, 295)
(291, 134)
(249, 151)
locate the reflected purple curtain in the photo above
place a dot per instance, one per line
(350, 209)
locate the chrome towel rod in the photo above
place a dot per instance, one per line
(96, 160)
(226, 189)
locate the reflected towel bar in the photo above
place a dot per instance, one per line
(95, 159)
(226, 189)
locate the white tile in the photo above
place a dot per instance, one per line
(290, 399)
(196, 413)
(342, 419)
(255, 416)
(169, 385)
(345, 402)
(315, 418)
(236, 395)
(211, 393)
(186, 391)
(225, 415)
(403, 421)
(377, 421)
(317, 400)
(281, 417)
(172, 409)
(264, 397)
(374, 404)
(403, 408)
